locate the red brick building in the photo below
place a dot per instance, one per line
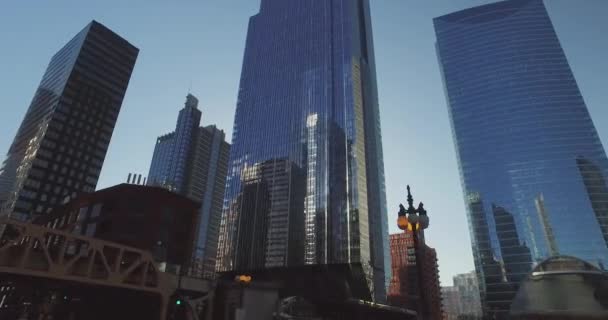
(403, 288)
(148, 218)
(402, 259)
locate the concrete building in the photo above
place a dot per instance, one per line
(462, 299)
(468, 288)
(450, 299)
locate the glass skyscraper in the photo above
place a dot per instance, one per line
(306, 179)
(532, 166)
(62, 142)
(173, 150)
(193, 161)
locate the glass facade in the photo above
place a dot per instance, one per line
(193, 161)
(532, 166)
(62, 142)
(172, 151)
(306, 179)
(206, 182)
(163, 153)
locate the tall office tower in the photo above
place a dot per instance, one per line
(173, 151)
(308, 98)
(192, 161)
(520, 128)
(62, 142)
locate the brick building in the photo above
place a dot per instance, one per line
(144, 217)
(403, 288)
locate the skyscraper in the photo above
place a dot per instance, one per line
(192, 161)
(62, 142)
(520, 128)
(308, 100)
(173, 151)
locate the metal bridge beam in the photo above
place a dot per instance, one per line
(37, 251)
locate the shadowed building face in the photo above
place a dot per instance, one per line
(62, 142)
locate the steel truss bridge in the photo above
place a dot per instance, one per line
(38, 256)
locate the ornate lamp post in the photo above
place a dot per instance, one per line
(415, 219)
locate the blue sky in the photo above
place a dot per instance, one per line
(199, 44)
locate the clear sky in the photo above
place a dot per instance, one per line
(199, 44)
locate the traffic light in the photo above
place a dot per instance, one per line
(177, 307)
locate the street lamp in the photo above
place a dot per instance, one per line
(413, 220)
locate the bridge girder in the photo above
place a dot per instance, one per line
(37, 251)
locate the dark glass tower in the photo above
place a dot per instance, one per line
(193, 161)
(206, 183)
(62, 142)
(173, 151)
(307, 104)
(532, 166)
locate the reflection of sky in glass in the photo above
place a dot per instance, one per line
(307, 101)
(521, 129)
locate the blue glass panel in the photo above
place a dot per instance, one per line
(532, 166)
(306, 183)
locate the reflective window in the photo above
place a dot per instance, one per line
(306, 139)
(532, 166)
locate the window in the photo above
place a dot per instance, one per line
(91, 228)
(96, 210)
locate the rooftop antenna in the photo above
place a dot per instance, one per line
(190, 87)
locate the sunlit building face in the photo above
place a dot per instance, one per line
(307, 119)
(532, 166)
